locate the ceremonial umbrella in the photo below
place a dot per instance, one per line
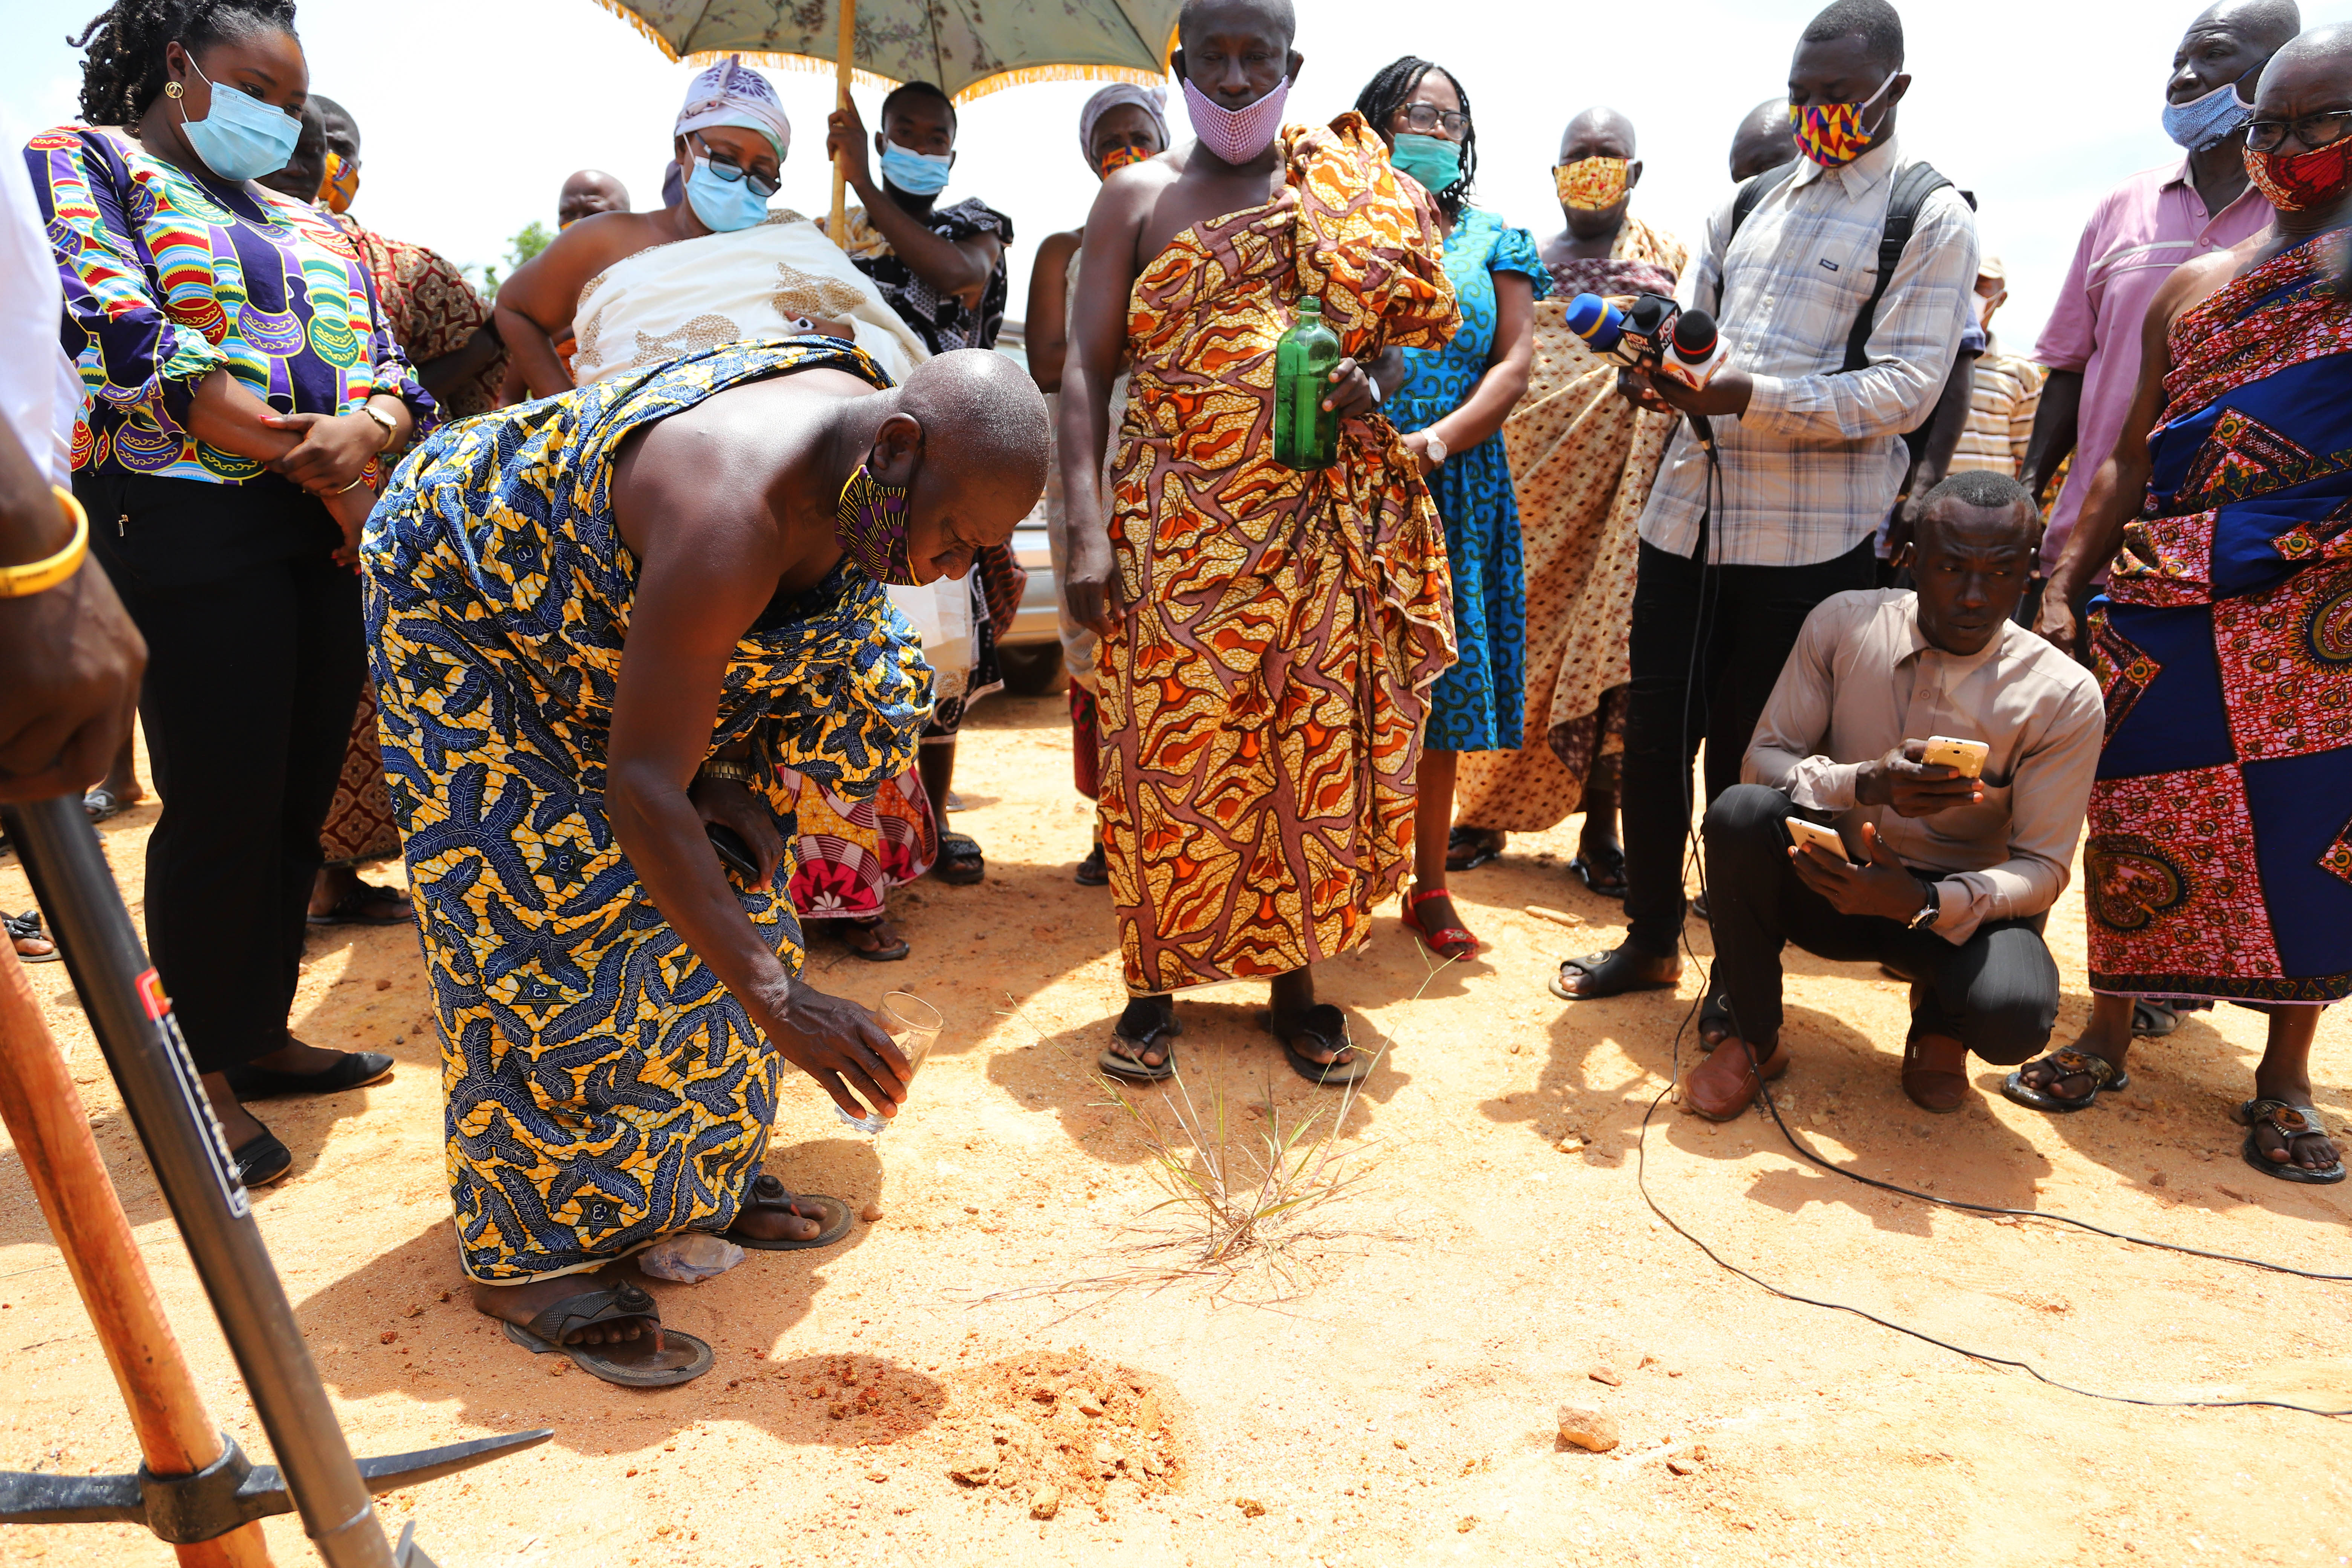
(967, 48)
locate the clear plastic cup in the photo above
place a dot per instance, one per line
(913, 1026)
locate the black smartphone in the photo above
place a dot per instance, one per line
(733, 853)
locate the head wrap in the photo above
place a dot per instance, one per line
(1149, 99)
(732, 93)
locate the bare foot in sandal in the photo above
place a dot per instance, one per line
(1142, 1043)
(520, 1304)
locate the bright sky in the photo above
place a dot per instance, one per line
(474, 111)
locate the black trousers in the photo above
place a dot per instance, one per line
(1741, 621)
(254, 657)
(1996, 992)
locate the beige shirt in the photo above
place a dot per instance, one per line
(1863, 680)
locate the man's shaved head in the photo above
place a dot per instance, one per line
(1197, 14)
(587, 193)
(984, 420)
(2267, 24)
(1595, 128)
(342, 132)
(2321, 49)
(1763, 140)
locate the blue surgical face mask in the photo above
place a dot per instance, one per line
(723, 205)
(240, 137)
(1433, 159)
(2202, 122)
(916, 174)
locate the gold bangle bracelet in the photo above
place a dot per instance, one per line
(727, 768)
(21, 582)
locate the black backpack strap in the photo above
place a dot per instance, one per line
(1751, 193)
(1913, 183)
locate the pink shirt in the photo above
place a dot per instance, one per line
(2147, 227)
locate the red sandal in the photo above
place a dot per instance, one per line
(1448, 943)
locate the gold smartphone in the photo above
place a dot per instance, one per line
(1967, 757)
(1806, 833)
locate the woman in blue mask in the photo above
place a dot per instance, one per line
(1452, 406)
(730, 139)
(245, 401)
(942, 269)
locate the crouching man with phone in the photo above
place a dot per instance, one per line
(1944, 871)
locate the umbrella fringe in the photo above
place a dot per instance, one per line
(1028, 74)
(619, 8)
(817, 65)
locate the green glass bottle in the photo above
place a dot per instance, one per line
(1305, 434)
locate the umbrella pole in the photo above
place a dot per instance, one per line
(844, 51)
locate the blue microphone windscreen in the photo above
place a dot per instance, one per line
(1595, 320)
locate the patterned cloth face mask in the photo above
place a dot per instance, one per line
(1831, 135)
(1120, 158)
(339, 184)
(2298, 182)
(870, 522)
(1590, 184)
(1236, 135)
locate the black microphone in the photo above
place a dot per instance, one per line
(1691, 362)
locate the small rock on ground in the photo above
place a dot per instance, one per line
(1590, 1429)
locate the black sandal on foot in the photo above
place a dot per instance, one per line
(1328, 1027)
(101, 802)
(878, 954)
(2153, 1020)
(1092, 872)
(1616, 971)
(961, 863)
(681, 1359)
(1467, 849)
(351, 910)
(767, 1191)
(1602, 871)
(356, 1070)
(26, 927)
(2065, 1063)
(2290, 1122)
(262, 1161)
(1117, 1064)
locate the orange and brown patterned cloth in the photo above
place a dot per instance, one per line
(1582, 460)
(1262, 695)
(431, 311)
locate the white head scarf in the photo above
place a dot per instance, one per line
(732, 93)
(1150, 99)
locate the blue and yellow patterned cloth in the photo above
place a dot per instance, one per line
(602, 1088)
(1476, 705)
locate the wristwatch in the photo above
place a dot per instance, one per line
(1932, 909)
(729, 769)
(1435, 447)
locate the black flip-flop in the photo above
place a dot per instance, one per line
(1125, 1066)
(1599, 965)
(2290, 1122)
(681, 1359)
(891, 954)
(961, 863)
(2153, 1020)
(768, 1192)
(345, 910)
(1328, 1027)
(1479, 841)
(262, 1161)
(1091, 871)
(356, 1070)
(2067, 1063)
(26, 927)
(1602, 871)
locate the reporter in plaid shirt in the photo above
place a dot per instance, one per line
(1811, 456)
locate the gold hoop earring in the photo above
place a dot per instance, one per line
(171, 89)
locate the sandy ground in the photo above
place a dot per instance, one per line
(1400, 1406)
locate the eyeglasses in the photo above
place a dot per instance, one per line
(1427, 117)
(2312, 130)
(729, 170)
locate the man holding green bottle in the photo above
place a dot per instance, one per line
(1269, 631)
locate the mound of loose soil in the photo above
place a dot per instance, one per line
(1061, 1425)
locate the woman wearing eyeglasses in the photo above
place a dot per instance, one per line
(730, 140)
(1451, 406)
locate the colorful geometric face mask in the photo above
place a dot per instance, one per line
(1120, 158)
(870, 521)
(339, 184)
(1590, 184)
(2298, 182)
(1831, 135)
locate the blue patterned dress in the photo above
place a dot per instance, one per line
(1476, 706)
(602, 1088)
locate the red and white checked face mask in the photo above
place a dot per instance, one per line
(1236, 135)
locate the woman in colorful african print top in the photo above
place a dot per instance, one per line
(2219, 862)
(1452, 409)
(241, 392)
